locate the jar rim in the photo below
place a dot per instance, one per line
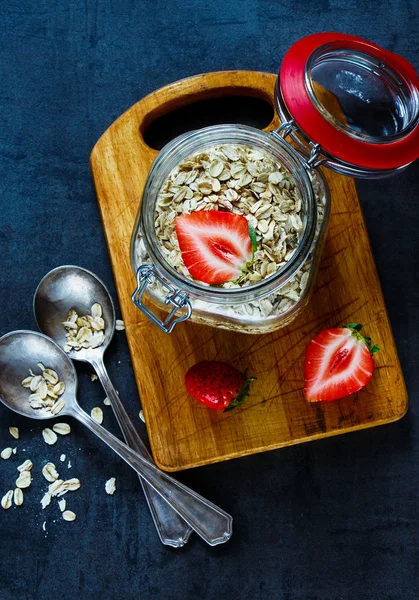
(191, 142)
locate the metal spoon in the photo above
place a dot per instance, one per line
(21, 350)
(68, 287)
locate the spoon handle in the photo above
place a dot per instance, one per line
(210, 522)
(172, 529)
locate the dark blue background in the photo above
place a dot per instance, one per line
(330, 520)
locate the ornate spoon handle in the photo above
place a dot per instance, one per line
(209, 521)
(172, 529)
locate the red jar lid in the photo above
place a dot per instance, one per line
(359, 102)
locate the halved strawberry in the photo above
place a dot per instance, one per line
(216, 246)
(338, 362)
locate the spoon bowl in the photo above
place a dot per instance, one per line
(22, 350)
(70, 287)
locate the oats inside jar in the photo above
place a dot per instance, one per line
(246, 183)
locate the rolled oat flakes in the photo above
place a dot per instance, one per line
(6, 501)
(24, 480)
(68, 515)
(18, 497)
(61, 428)
(26, 466)
(14, 432)
(97, 414)
(49, 436)
(50, 472)
(241, 180)
(6, 453)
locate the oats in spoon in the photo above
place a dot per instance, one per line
(45, 389)
(84, 331)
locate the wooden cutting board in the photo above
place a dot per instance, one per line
(183, 433)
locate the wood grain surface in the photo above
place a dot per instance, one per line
(183, 433)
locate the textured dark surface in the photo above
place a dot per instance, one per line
(329, 520)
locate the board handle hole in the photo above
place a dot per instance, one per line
(243, 110)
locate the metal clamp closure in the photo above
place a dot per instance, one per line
(286, 128)
(313, 160)
(146, 275)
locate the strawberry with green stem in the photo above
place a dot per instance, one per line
(338, 362)
(217, 385)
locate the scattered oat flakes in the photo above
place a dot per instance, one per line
(110, 486)
(18, 497)
(60, 487)
(107, 402)
(6, 453)
(44, 525)
(50, 472)
(68, 515)
(97, 414)
(72, 484)
(56, 487)
(14, 450)
(62, 504)
(93, 377)
(49, 436)
(62, 428)
(62, 458)
(46, 500)
(24, 480)
(142, 416)
(6, 501)
(14, 432)
(69, 464)
(26, 466)
(119, 325)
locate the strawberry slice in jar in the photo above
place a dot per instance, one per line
(216, 246)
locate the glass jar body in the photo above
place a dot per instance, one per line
(264, 307)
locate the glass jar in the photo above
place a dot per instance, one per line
(325, 84)
(261, 307)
